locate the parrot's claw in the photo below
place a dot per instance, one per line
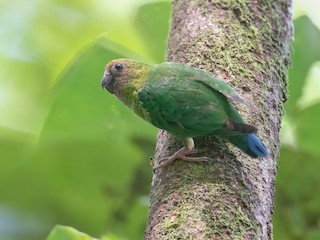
(193, 151)
(180, 154)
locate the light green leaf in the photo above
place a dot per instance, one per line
(308, 132)
(152, 24)
(67, 233)
(306, 51)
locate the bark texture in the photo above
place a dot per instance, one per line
(247, 43)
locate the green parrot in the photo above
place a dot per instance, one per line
(185, 101)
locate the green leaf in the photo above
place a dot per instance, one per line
(81, 108)
(152, 22)
(306, 51)
(307, 129)
(67, 233)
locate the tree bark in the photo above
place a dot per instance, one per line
(247, 43)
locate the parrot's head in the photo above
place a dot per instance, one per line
(114, 74)
(122, 76)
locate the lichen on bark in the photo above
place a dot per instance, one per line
(246, 43)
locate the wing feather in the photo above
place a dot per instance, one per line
(183, 110)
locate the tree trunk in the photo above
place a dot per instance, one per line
(247, 43)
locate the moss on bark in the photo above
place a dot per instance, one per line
(246, 43)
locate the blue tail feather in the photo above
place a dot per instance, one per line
(249, 144)
(256, 146)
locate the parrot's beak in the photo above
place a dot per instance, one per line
(108, 82)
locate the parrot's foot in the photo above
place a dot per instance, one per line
(181, 154)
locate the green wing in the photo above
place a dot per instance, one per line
(214, 83)
(185, 109)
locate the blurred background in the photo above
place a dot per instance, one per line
(72, 154)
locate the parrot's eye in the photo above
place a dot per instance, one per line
(119, 67)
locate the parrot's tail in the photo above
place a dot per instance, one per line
(249, 144)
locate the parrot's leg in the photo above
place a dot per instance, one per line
(181, 154)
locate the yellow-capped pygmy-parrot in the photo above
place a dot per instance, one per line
(185, 101)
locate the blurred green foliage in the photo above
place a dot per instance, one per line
(67, 233)
(71, 154)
